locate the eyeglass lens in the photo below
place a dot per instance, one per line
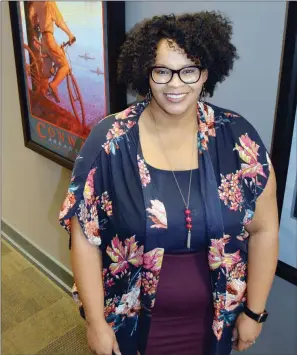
(187, 75)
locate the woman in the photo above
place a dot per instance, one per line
(173, 202)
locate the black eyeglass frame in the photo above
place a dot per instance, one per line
(176, 72)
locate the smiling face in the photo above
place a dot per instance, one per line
(175, 97)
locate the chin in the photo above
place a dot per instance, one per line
(176, 108)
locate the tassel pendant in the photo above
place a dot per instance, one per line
(188, 226)
(189, 239)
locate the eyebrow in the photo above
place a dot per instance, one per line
(185, 66)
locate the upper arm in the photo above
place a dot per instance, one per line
(56, 14)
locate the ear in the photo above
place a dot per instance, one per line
(204, 76)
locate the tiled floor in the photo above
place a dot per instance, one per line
(37, 316)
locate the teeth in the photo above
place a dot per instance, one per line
(176, 96)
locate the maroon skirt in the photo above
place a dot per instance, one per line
(182, 316)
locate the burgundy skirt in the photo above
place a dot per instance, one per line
(182, 316)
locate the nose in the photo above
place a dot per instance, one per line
(175, 81)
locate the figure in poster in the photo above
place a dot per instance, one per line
(44, 15)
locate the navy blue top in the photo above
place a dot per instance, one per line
(111, 193)
(175, 237)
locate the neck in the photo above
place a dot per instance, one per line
(164, 120)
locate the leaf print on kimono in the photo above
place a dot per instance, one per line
(217, 258)
(248, 152)
(235, 294)
(152, 262)
(230, 191)
(143, 172)
(124, 254)
(157, 214)
(70, 199)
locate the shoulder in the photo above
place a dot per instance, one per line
(226, 119)
(104, 137)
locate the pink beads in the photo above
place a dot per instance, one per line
(188, 219)
(187, 212)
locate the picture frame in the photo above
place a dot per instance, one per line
(87, 93)
(284, 122)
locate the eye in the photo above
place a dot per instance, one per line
(162, 71)
(189, 71)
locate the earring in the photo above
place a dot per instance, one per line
(202, 94)
(149, 95)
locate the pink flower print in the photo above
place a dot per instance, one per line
(238, 272)
(231, 259)
(130, 124)
(243, 235)
(248, 152)
(89, 187)
(235, 294)
(149, 283)
(231, 115)
(217, 328)
(143, 172)
(230, 192)
(219, 306)
(130, 303)
(113, 136)
(217, 256)
(124, 114)
(68, 203)
(106, 204)
(152, 260)
(158, 214)
(124, 254)
(210, 121)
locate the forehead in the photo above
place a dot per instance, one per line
(171, 55)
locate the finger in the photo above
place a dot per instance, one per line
(234, 334)
(116, 348)
(243, 345)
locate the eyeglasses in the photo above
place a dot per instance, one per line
(188, 75)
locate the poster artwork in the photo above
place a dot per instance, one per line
(65, 71)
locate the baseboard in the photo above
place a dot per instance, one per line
(287, 272)
(51, 268)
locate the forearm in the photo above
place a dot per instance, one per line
(86, 264)
(262, 262)
(64, 28)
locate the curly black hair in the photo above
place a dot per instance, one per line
(204, 36)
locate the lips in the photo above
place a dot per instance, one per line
(175, 97)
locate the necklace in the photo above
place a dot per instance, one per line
(187, 212)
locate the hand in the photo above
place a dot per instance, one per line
(72, 38)
(245, 332)
(101, 339)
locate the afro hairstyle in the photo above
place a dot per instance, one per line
(204, 36)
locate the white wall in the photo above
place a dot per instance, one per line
(288, 225)
(33, 187)
(251, 88)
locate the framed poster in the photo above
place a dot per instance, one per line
(66, 55)
(282, 142)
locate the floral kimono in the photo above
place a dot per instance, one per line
(111, 194)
